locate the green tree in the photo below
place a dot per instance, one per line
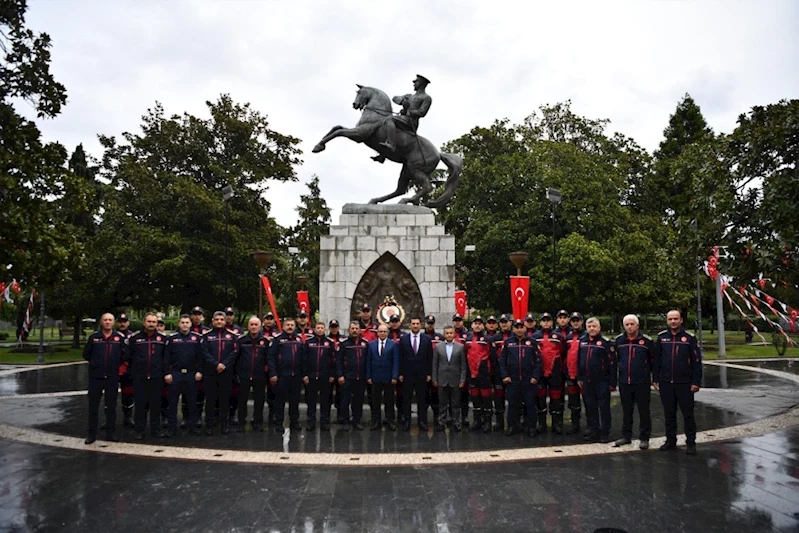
(314, 222)
(33, 177)
(162, 237)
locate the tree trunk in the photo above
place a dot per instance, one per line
(77, 332)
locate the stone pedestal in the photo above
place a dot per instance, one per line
(366, 233)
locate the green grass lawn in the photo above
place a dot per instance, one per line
(61, 355)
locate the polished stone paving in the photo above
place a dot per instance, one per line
(744, 484)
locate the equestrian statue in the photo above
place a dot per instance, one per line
(393, 136)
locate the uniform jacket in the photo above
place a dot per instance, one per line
(520, 360)
(185, 352)
(221, 346)
(678, 358)
(320, 358)
(552, 346)
(597, 360)
(105, 354)
(351, 359)
(251, 361)
(147, 355)
(573, 353)
(479, 352)
(635, 357)
(286, 356)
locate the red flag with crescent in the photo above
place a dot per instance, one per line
(460, 303)
(271, 298)
(303, 302)
(519, 295)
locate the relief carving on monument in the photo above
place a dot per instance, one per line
(388, 277)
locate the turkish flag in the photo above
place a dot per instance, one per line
(460, 303)
(271, 297)
(519, 289)
(303, 302)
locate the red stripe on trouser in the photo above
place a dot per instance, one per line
(474, 392)
(555, 394)
(573, 389)
(165, 391)
(485, 393)
(127, 390)
(542, 392)
(499, 392)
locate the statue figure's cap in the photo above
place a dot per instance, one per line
(422, 79)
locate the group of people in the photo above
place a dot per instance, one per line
(535, 371)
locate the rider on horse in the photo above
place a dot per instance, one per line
(414, 107)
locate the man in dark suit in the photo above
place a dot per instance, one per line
(449, 376)
(416, 355)
(382, 372)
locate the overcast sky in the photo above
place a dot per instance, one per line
(298, 62)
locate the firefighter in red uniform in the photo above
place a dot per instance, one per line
(529, 324)
(481, 360)
(574, 401)
(367, 324)
(460, 336)
(552, 346)
(432, 390)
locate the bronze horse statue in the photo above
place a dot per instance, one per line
(418, 156)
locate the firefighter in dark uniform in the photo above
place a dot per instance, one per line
(552, 346)
(105, 351)
(570, 371)
(319, 370)
(635, 353)
(334, 334)
(351, 371)
(271, 331)
(221, 350)
(520, 369)
(677, 374)
(251, 369)
(460, 336)
(197, 316)
(481, 361)
(161, 328)
(432, 391)
(498, 339)
(234, 389)
(286, 362)
(148, 368)
(596, 374)
(185, 353)
(125, 376)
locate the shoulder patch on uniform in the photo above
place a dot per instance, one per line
(647, 337)
(662, 332)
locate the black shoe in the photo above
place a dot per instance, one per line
(278, 429)
(376, 426)
(690, 449)
(103, 426)
(139, 435)
(439, 427)
(604, 438)
(171, 433)
(184, 425)
(296, 426)
(592, 437)
(345, 427)
(194, 432)
(259, 427)
(112, 438)
(311, 426)
(532, 432)
(477, 426)
(513, 430)
(422, 426)
(391, 426)
(90, 439)
(163, 434)
(209, 430)
(644, 444)
(457, 428)
(358, 426)
(240, 429)
(587, 432)
(465, 423)
(225, 429)
(406, 426)
(324, 426)
(668, 446)
(574, 428)
(624, 441)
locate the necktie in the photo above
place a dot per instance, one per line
(415, 345)
(381, 348)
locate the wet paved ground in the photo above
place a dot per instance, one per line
(749, 484)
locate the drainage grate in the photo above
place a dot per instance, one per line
(217, 455)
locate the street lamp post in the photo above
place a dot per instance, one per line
(263, 258)
(555, 197)
(227, 195)
(293, 252)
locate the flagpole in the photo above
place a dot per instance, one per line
(40, 356)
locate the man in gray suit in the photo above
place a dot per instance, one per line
(449, 375)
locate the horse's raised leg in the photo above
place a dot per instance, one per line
(402, 187)
(321, 145)
(423, 187)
